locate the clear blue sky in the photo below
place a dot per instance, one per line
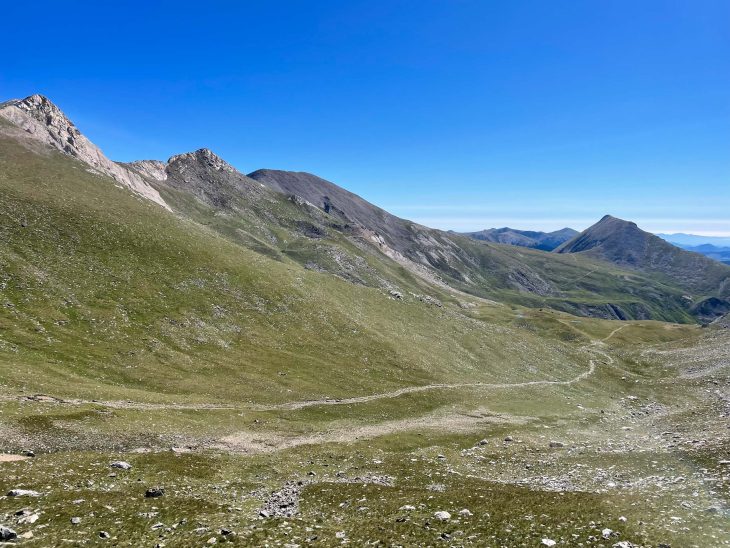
(457, 114)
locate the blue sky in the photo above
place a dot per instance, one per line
(458, 114)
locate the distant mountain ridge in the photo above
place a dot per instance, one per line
(547, 241)
(721, 254)
(299, 218)
(693, 240)
(624, 244)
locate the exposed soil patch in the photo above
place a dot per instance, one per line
(12, 458)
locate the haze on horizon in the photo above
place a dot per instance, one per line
(458, 116)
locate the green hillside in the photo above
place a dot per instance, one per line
(287, 383)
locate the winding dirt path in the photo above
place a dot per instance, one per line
(612, 333)
(125, 404)
(424, 388)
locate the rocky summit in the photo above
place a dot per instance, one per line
(192, 355)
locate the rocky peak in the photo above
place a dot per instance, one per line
(204, 157)
(43, 121)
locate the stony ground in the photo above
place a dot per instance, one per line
(521, 464)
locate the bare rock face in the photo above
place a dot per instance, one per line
(152, 169)
(44, 122)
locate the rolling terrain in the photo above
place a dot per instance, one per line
(547, 241)
(190, 355)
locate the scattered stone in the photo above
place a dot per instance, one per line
(121, 465)
(442, 515)
(509, 438)
(28, 517)
(157, 526)
(154, 492)
(23, 493)
(104, 535)
(340, 534)
(407, 508)
(548, 542)
(623, 519)
(7, 534)
(465, 512)
(556, 444)
(28, 453)
(75, 520)
(624, 544)
(483, 442)
(282, 503)
(606, 533)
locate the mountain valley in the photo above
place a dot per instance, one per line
(190, 355)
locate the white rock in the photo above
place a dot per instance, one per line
(442, 515)
(548, 542)
(465, 512)
(23, 493)
(606, 533)
(122, 465)
(407, 508)
(623, 519)
(30, 519)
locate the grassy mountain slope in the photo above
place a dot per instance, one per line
(200, 330)
(104, 291)
(579, 285)
(624, 244)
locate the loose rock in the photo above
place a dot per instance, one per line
(7, 534)
(23, 493)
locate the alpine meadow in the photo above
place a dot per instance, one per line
(191, 355)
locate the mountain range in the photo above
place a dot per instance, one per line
(611, 270)
(694, 240)
(194, 355)
(547, 241)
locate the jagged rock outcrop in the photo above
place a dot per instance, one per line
(43, 121)
(211, 179)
